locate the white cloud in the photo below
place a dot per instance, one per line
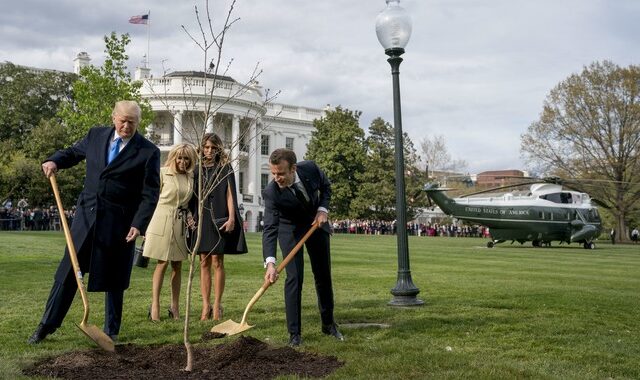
(475, 71)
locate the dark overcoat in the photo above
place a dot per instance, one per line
(115, 198)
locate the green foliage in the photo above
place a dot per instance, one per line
(376, 196)
(99, 88)
(337, 146)
(512, 312)
(27, 97)
(590, 128)
(22, 177)
(48, 137)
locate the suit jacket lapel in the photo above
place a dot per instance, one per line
(306, 182)
(104, 152)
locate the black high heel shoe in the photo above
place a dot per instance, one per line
(171, 315)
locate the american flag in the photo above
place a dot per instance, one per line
(141, 19)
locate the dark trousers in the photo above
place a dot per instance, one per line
(63, 292)
(60, 300)
(319, 256)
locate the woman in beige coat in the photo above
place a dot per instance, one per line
(166, 239)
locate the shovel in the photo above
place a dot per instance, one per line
(92, 331)
(230, 327)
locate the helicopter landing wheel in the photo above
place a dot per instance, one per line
(490, 244)
(591, 245)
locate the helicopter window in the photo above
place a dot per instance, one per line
(557, 197)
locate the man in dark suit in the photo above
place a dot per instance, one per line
(121, 189)
(298, 196)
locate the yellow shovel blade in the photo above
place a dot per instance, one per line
(98, 336)
(230, 327)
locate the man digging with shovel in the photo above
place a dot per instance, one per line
(297, 197)
(120, 193)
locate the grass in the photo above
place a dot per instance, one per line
(508, 312)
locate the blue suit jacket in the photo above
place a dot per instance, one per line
(285, 217)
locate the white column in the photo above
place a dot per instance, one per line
(210, 123)
(149, 133)
(254, 171)
(235, 151)
(253, 179)
(177, 128)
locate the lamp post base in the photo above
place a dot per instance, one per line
(405, 292)
(405, 301)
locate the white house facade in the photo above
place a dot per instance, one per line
(188, 103)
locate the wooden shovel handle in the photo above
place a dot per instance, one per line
(295, 249)
(72, 250)
(280, 267)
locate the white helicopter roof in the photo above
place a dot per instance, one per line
(537, 191)
(545, 188)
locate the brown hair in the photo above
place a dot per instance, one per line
(220, 155)
(283, 154)
(182, 150)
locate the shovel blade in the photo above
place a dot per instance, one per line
(98, 336)
(230, 327)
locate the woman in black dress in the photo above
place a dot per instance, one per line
(222, 231)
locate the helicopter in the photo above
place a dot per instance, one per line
(546, 212)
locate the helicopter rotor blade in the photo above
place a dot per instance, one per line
(499, 188)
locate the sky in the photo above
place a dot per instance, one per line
(475, 71)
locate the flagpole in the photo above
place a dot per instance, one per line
(148, 36)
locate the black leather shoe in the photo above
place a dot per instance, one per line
(295, 340)
(332, 330)
(41, 332)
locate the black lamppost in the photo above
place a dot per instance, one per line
(393, 27)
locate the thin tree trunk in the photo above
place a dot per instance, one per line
(187, 344)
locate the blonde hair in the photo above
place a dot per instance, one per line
(127, 108)
(182, 150)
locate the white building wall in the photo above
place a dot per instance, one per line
(241, 119)
(180, 102)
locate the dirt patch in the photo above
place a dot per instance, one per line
(243, 358)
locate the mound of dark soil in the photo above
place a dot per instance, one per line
(244, 358)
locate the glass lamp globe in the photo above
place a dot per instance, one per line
(393, 26)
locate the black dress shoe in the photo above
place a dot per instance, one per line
(295, 340)
(332, 330)
(41, 332)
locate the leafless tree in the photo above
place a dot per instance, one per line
(589, 128)
(436, 157)
(205, 94)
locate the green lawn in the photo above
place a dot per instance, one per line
(508, 312)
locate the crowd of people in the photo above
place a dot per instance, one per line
(379, 227)
(32, 219)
